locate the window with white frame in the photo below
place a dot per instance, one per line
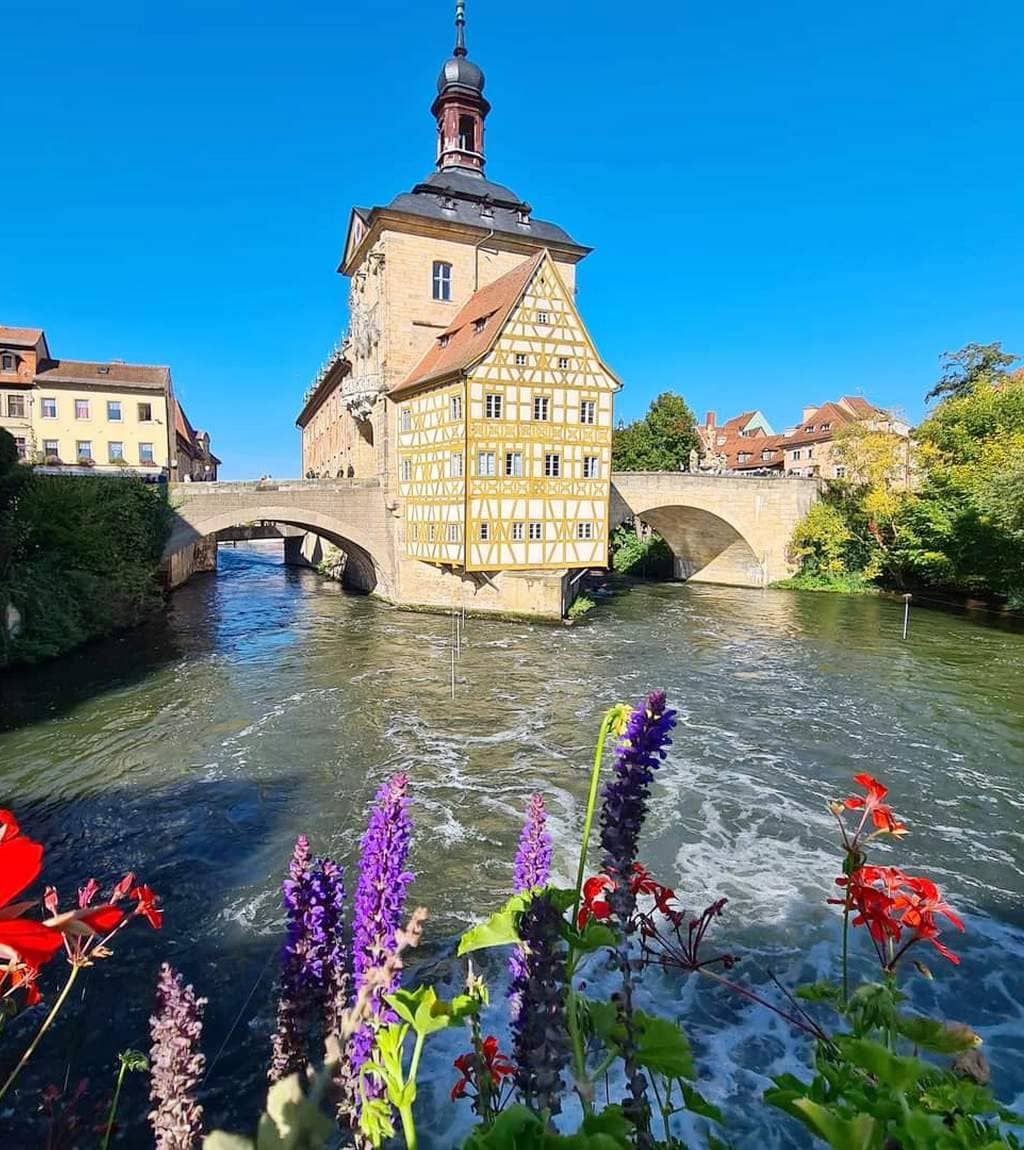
(83, 449)
(442, 281)
(796, 455)
(492, 406)
(520, 359)
(48, 407)
(114, 410)
(840, 472)
(405, 418)
(591, 467)
(81, 409)
(51, 448)
(15, 407)
(115, 451)
(145, 453)
(588, 411)
(541, 407)
(406, 470)
(563, 362)
(552, 465)
(485, 464)
(518, 532)
(584, 530)
(454, 406)
(536, 530)
(485, 532)
(455, 465)
(766, 455)
(514, 464)
(453, 533)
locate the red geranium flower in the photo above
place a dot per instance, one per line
(642, 883)
(25, 945)
(146, 906)
(595, 903)
(922, 903)
(497, 1065)
(872, 804)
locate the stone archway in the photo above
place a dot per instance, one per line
(705, 547)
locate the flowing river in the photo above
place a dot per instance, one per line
(270, 703)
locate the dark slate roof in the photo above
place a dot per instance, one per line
(460, 196)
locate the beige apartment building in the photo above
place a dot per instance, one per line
(112, 417)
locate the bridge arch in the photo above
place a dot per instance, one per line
(706, 546)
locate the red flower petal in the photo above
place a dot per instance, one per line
(9, 828)
(32, 942)
(21, 860)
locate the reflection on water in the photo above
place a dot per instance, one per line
(271, 703)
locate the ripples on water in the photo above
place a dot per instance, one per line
(271, 703)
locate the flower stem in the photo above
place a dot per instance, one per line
(405, 1110)
(584, 1085)
(846, 944)
(113, 1105)
(31, 1049)
(588, 821)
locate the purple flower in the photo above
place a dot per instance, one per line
(532, 869)
(380, 899)
(176, 1066)
(311, 988)
(540, 1046)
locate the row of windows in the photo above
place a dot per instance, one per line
(521, 531)
(487, 466)
(17, 409)
(83, 450)
(494, 408)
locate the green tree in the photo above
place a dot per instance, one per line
(661, 441)
(973, 364)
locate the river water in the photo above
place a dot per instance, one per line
(269, 702)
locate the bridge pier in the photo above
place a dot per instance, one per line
(194, 556)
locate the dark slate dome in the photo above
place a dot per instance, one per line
(460, 72)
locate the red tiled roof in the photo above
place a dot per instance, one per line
(20, 336)
(182, 427)
(461, 344)
(78, 371)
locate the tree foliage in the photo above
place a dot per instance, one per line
(661, 441)
(973, 364)
(79, 556)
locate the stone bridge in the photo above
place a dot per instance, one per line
(730, 529)
(721, 529)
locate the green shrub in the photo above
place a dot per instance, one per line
(648, 558)
(580, 606)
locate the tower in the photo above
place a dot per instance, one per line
(460, 108)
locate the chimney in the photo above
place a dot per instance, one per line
(709, 420)
(808, 412)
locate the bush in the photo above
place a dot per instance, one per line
(580, 606)
(648, 558)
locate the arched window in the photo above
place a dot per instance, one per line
(467, 134)
(8, 362)
(442, 280)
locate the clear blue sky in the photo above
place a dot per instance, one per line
(788, 201)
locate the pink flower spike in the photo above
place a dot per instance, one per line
(123, 887)
(87, 893)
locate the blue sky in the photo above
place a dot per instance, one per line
(786, 201)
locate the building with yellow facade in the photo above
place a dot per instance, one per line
(467, 383)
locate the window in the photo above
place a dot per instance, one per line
(520, 359)
(479, 325)
(766, 455)
(415, 533)
(588, 411)
(720, 440)
(115, 452)
(467, 134)
(552, 466)
(840, 473)
(485, 532)
(743, 457)
(453, 533)
(485, 463)
(455, 465)
(406, 419)
(114, 410)
(15, 407)
(406, 470)
(584, 531)
(492, 406)
(810, 453)
(518, 532)
(430, 533)
(20, 447)
(444, 340)
(48, 407)
(590, 467)
(536, 531)
(145, 453)
(514, 464)
(81, 409)
(541, 403)
(51, 449)
(8, 362)
(542, 317)
(83, 449)
(563, 362)
(824, 426)
(145, 413)
(454, 406)
(796, 455)
(442, 281)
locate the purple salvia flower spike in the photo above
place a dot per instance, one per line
(176, 1065)
(532, 869)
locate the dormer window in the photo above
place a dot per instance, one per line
(442, 281)
(479, 325)
(103, 370)
(8, 363)
(444, 340)
(824, 426)
(523, 216)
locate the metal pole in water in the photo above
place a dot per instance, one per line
(453, 672)
(906, 614)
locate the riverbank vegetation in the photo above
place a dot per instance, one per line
(645, 556)
(79, 557)
(955, 523)
(563, 1056)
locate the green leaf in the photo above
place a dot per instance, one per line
(661, 1046)
(826, 992)
(515, 1128)
(896, 1071)
(696, 1102)
(219, 1140)
(593, 936)
(604, 1020)
(938, 1037)
(840, 1133)
(499, 930)
(133, 1060)
(291, 1120)
(610, 1121)
(426, 1013)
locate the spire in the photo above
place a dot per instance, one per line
(460, 27)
